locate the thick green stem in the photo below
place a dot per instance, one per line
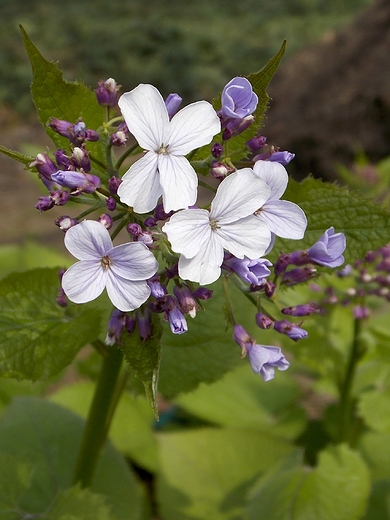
(346, 400)
(98, 421)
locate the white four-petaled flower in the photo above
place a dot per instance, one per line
(285, 219)
(122, 270)
(163, 170)
(201, 236)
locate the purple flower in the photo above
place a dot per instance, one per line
(251, 271)
(107, 92)
(173, 103)
(238, 99)
(301, 310)
(292, 330)
(45, 167)
(186, 300)
(174, 316)
(77, 181)
(329, 249)
(263, 359)
(115, 327)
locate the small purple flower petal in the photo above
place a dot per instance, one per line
(328, 250)
(173, 103)
(251, 271)
(238, 99)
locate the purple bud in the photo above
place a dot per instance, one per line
(60, 197)
(236, 126)
(150, 222)
(298, 275)
(186, 300)
(220, 170)
(174, 316)
(105, 220)
(159, 213)
(144, 322)
(361, 312)
(107, 93)
(173, 103)
(115, 327)
(291, 330)
(263, 321)
(282, 157)
(91, 135)
(113, 184)
(345, 271)
(77, 133)
(242, 338)
(146, 238)
(300, 257)
(238, 99)
(301, 310)
(45, 167)
(328, 250)
(217, 150)
(251, 271)
(111, 203)
(269, 288)
(130, 323)
(384, 265)
(63, 161)
(80, 159)
(256, 143)
(157, 289)
(65, 222)
(134, 229)
(172, 272)
(44, 203)
(119, 138)
(77, 181)
(282, 263)
(60, 126)
(202, 293)
(61, 298)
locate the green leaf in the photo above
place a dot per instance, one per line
(374, 408)
(25, 159)
(337, 489)
(365, 223)
(46, 438)
(38, 338)
(79, 504)
(207, 351)
(130, 430)
(55, 97)
(144, 358)
(206, 473)
(242, 398)
(13, 482)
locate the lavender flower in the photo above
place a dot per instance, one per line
(238, 99)
(173, 102)
(251, 271)
(292, 330)
(263, 359)
(328, 250)
(77, 181)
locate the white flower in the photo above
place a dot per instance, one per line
(285, 219)
(201, 236)
(163, 170)
(122, 270)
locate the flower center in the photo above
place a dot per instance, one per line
(214, 224)
(258, 211)
(106, 262)
(163, 149)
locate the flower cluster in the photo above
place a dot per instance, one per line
(156, 201)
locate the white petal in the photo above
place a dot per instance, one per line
(188, 231)
(284, 218)
(274, 174)
(245, 237)
(84, 281)
(88, 240)
(146, 116)
(126, 295)
(193, 126)
(140, 188)
(133, 261)
(179, 182)
(239, 195)
(205, 267)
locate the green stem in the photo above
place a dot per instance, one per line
(124, 156)
(346, 400)
(98, 421)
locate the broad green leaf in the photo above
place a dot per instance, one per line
(76, 503)
(46, 437)
(207, 351)
(374, 408)
(55, 97)
(13, 483)
(337, 489)
(206, 473)
(375, 448)
(131, 428)
(25, 159)
(38, 338)
(379, 503)
(144, 358)
(365, 223)
(242, 399)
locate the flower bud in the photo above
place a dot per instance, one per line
(113, 184)
(111, 203)
(44, 203)
(186, 300)
(115, 327)
(301, 310)
(263, 321)
(60, 197)
(298, 275)
(77, 181)
(144, 323)
(119, 138)
(217, 150)
(282, 263)
(256, 143)
(80, 159)
(174, 316)
(236, 127)
(107, 92)
(361, 312)
(105, 220)
(64, 162)
(61, 127)
(173, 103)
(65, 223)
(220, 170)
(291, 330)
(202, 293)
(150, 222)
(157, 290)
